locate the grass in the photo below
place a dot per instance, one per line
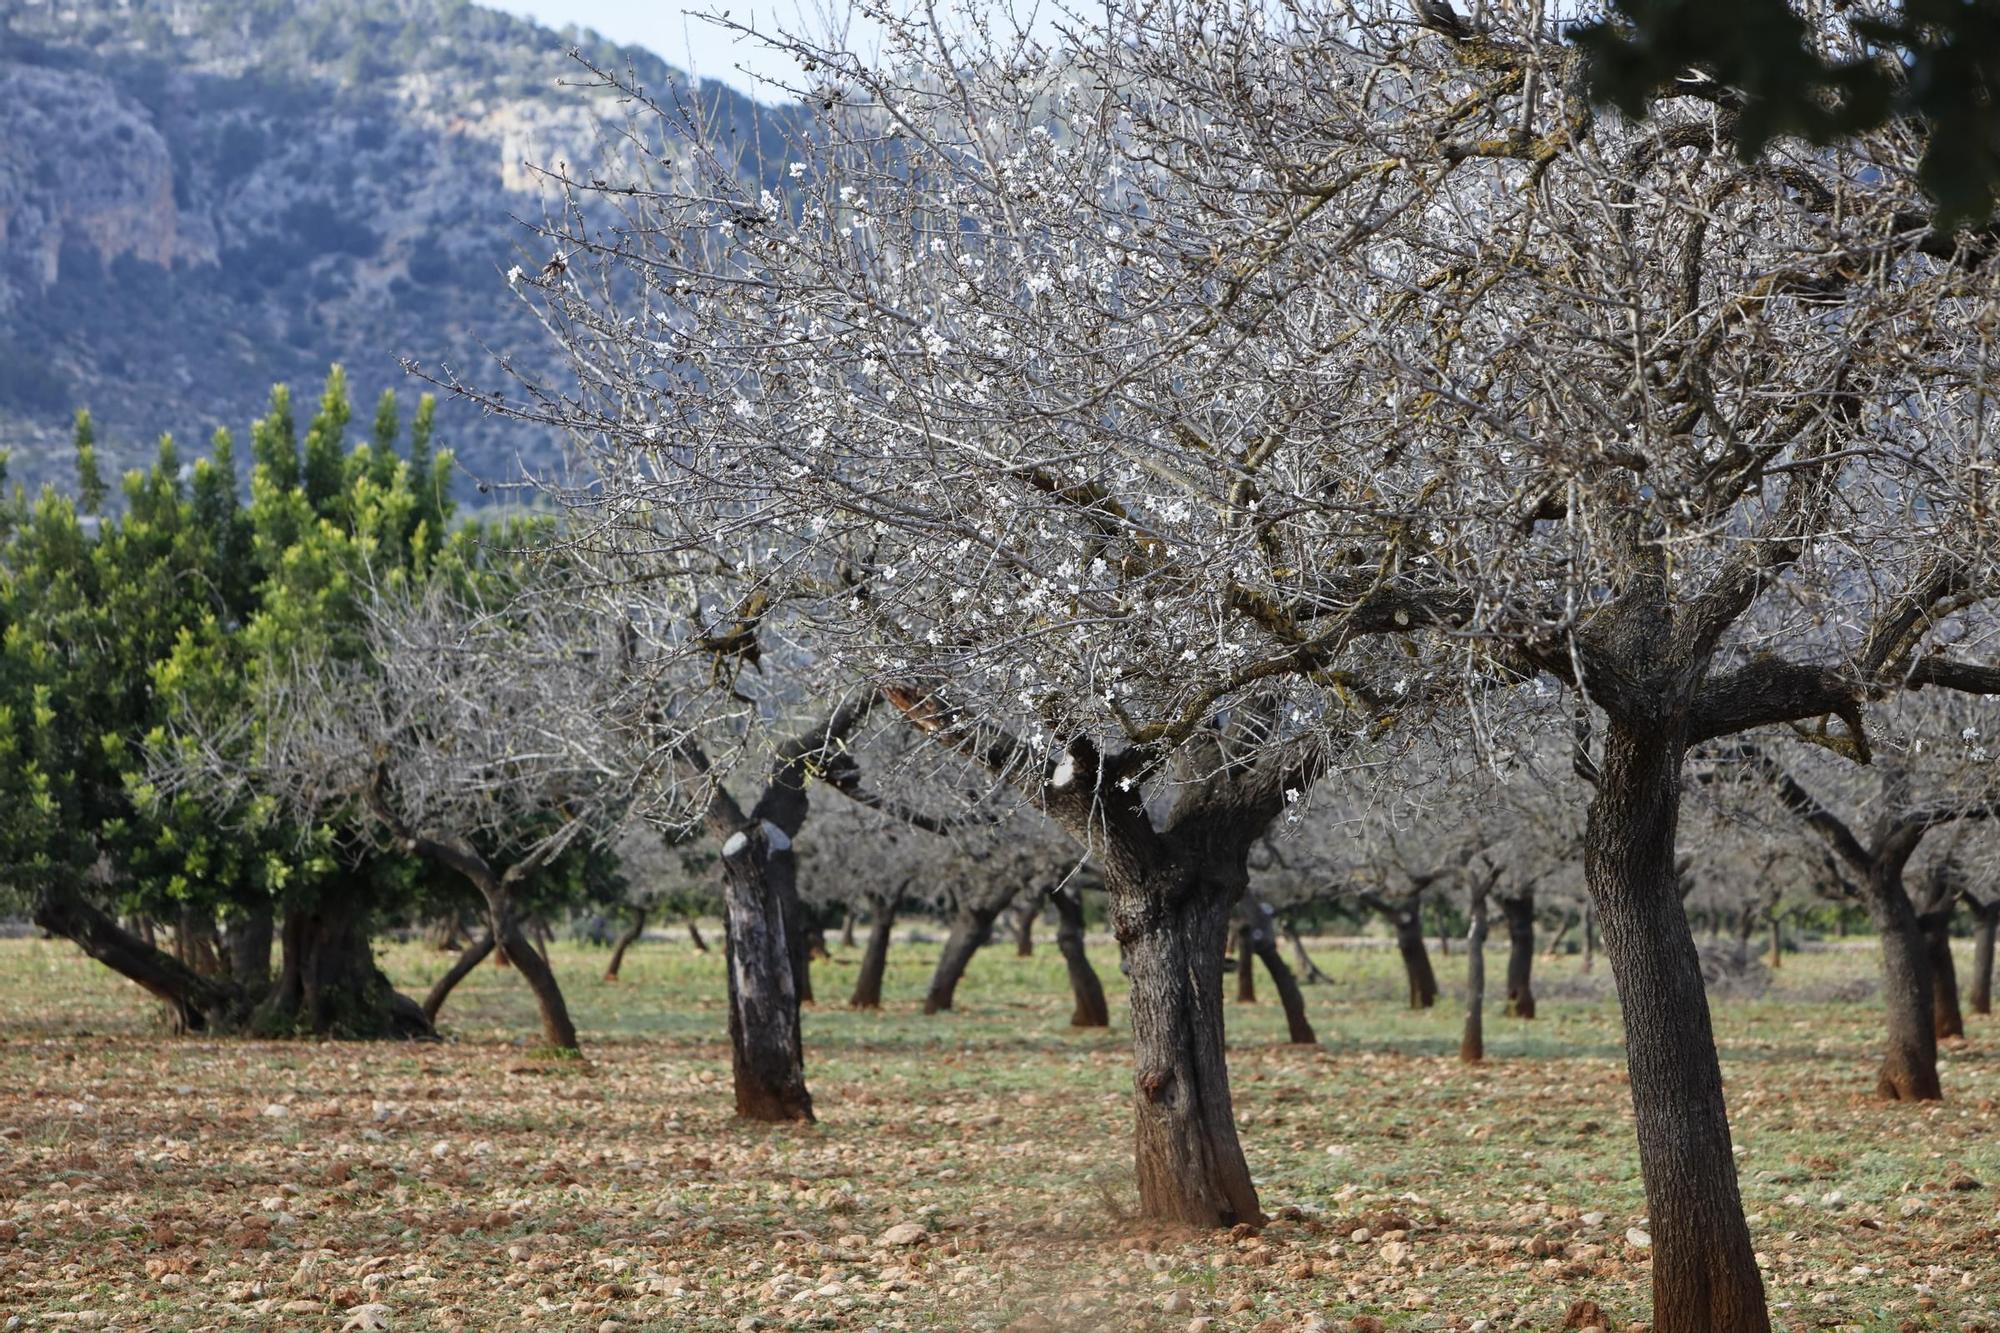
(147, 1182)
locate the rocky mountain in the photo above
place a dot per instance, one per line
(199, 198)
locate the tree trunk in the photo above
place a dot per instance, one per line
(1091, 1010)
(1024, 924)
(1246, 975)
(1416, 959)
(1947, 1019)
(1777, 939)
(1705, 1277)
(329, 985)
(1308, 969)
(1259, 938)
(847, 930)
(1985, 922)
(248, 937)
(558, 1032)
(1746, 926)
(194, 1003)
(797, 939)
(1909, 1064)
(469, 958)
(1520, 913)
(767, 1057)
(1190, 1165)
(1589, 935)
(868, 981)
(198, 942)
(971, 928)
(1472, 1045)
(624, 942)
(694, 937)
(1555, 941)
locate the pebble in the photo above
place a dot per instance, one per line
(903, 1233)
(1637, 1239)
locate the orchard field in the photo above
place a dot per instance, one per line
(969, 1170)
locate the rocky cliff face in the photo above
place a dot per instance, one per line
(199, 198)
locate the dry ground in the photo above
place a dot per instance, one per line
(147, 1182)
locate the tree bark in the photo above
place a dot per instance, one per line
(248, 936)
(1246, 974)
(1416, 959)
(1308, 969)
(971, 929)
(1472, 1044)
(329, 985)
(1520, 913)
(558, 1032)
(1172, 925)
(469, 958)
(1985, 923)
(194, 1003)
(1091, 1010)
(875, 961)
(1909, 1062)
(1024, 924)
(1261, 940)
(624, 942)
(1705, 1277)
(1947, 1019)
(767, 1057)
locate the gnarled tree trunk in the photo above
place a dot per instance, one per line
(1947, 1019)
(1985, 923)
(875, 961)
(625, 941)
(971, 929)
(1520, 913)
(1472, 1043)
(329, 984)
(1091, 1010)
(558, 1032)
(1909, 1061)
(461, 967)
(195, 1003)
(767, 1056)
(1705, 1277)
(1259, 939)
(1172, 924)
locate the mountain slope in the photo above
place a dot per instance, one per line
(201, 197)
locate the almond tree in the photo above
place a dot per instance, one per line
(1111, 404)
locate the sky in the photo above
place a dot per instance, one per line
(680, 35)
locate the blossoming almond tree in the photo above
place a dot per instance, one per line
(1156, 414)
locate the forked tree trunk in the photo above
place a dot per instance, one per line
(1705, 1277)
(194, 1003)
(1246, 974)
(1947, 1019)
(1191, 1168)
(971, 928)
(1472, 1044)
(1985, 923)
(767, 1057)
(1263, 944)
(1091, 1010)
(1909, 1061)
(1309, 971)
(624, 942)
(461, 967)
(1024, 924)
(329, 985)
(248, 937)
(1520, 913)
(874, 962)
(558, 1032)
(1416, 959)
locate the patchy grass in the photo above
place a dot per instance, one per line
(147, 1182)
